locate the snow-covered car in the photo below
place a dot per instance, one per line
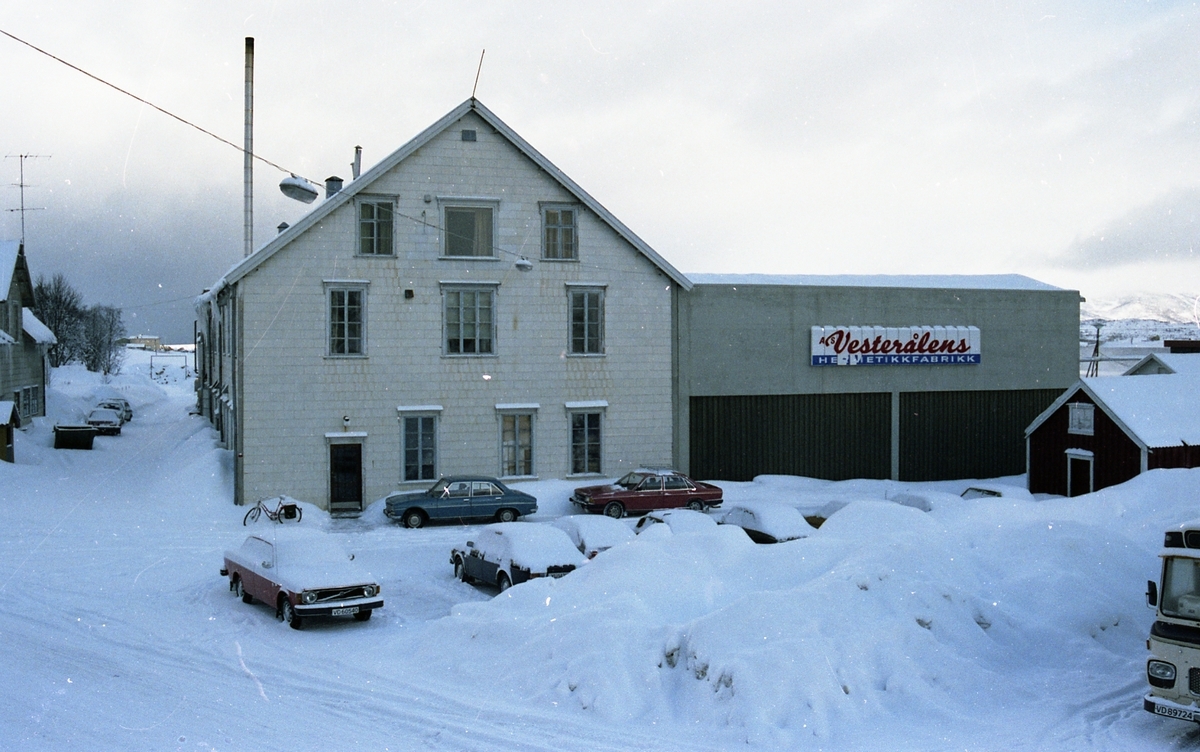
(994, 490)
(107, 422)
(460, 497)
(677, 521)
(767, 522)
(593, 534)
(118, 405)
(302, 573)
(643, 490)
(509, 553)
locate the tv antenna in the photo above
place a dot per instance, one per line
(22, 185)
(477, 72)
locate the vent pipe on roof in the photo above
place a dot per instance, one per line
(248, 153)
(356, 165)
(333, 184)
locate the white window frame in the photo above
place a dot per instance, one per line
(598, 409)
(448, 204)
(516, 412)
(419, 412)
(574, 290)
(1081, 455)
(1081, 418)
(344, 286)
(450, 289)
(554, 251)
(362, 201)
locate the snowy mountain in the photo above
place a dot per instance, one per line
(1169, 308)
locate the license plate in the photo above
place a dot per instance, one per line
(1173, 712)
(344, 611)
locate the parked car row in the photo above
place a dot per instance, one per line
(302, 574)
(109, 415)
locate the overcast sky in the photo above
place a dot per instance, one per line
(1060, 140)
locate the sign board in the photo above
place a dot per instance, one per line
(895, 346)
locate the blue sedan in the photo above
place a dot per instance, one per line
(460, 498)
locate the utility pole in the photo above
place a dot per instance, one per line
(22, 186)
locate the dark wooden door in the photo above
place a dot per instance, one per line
(345, 478)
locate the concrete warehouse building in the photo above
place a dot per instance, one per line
(906, 377)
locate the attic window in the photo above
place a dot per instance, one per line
(468, 135)
(1081, 419)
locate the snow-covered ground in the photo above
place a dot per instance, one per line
(989, 624)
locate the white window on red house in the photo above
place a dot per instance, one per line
(1081, 418)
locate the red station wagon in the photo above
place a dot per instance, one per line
(644, 490)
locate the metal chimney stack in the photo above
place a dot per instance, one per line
(356, 165)
(248, 152)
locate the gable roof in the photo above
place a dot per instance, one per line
(9, 251)
(248, 264)
(1181, 363)
(1160, 410)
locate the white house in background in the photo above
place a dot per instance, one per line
(24, 340)
(462, 307)
(1182, 356)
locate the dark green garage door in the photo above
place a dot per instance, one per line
(952, 435)
(832, 436)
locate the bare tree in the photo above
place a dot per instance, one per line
(102, 330)
(60, 307)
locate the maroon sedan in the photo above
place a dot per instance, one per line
(643, 490)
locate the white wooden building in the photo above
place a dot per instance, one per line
(462, 307)
(24, 340)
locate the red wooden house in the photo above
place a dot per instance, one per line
(1104, 431)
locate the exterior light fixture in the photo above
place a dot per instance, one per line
(299, 189)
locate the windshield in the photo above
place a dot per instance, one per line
(438, 489)
(1181, 588)
(631, 479)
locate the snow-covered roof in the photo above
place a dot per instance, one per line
(921, 281)
(1161, 410)
(40, 333)
(1181, 363)
(251, 262)
(9, 249)
(7, 410)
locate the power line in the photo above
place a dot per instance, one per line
(147, 103)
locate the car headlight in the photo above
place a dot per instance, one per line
(369, 591)
(308, 597)
(1161, 674)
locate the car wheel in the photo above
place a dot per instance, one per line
(696, 505)
(503, 582)
(363, 615)
(414, 519)
(288, 614)
(506, 515)
(240, 590)
(460, 571)
(614, 509)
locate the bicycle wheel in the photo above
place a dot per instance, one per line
(252, 515)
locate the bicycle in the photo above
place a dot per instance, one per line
(284, 510)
